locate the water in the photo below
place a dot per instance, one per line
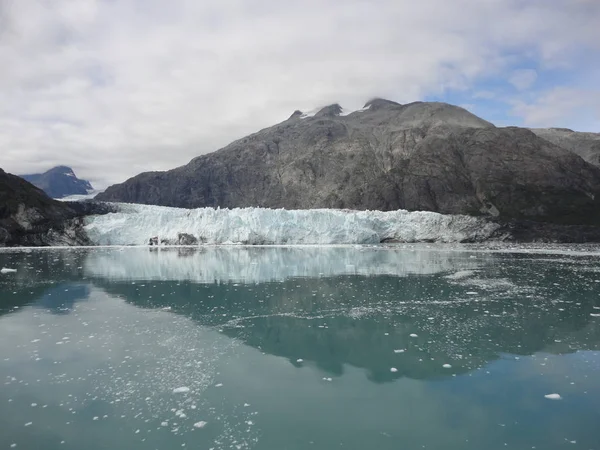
(300, 348)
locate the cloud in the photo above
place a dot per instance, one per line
(523, 79)
(117, 87)
(566, 107)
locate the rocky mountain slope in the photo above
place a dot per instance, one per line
(28, 217)
(387, 156)
(586, 145)
(59, 182)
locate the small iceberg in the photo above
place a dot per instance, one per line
(7, 270)
(181, 390)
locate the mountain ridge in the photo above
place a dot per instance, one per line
(420, 156)
(584, 144)
(59, 182)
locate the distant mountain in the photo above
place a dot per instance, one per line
(586, 145)
(59, 182)
(385, 156)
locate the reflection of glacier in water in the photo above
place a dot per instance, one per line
(136, 224)
(261, 264)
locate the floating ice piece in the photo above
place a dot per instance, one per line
(413, 335)
(393, 370)
(553, 396)
(460, 274)
(447, 366)
(399, 350)
(7, 270)
(327, 379)
(594, 315)
(299, 360)
(200, 424)
(181, 390)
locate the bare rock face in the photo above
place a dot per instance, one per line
(28, 217)
(586, 145)
(387, 156)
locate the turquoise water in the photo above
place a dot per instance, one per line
(300, 348)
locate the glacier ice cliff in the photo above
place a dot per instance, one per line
(137, 224)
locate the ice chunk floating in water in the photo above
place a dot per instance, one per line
(6, 270)
(137, 224)
(181, 390)
(553, 397)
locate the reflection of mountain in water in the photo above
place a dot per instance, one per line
(361, 321)
(49, 278)
(351, 307)
(260, 264)
(61, 299)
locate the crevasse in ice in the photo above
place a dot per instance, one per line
(137, 224)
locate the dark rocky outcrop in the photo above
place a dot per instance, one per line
(28, 217)
(527, 231)
(419, 156)
(59, 182)
(586, 145)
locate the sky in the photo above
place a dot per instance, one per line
(113, 88)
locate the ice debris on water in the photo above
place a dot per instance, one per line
(447, 366)
(553, 396)
(393, 370)
(460, 274)
(136, 224)
(181, 390)
(200, 424)
(413, 335)
(7, 270)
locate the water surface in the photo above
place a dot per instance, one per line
(300, 348)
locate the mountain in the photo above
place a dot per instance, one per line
(28, 217)
(386, 156)
(586, 145)
(59, 182)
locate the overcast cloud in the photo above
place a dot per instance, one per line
(116, 87)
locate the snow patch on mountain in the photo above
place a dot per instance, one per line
(138, 224)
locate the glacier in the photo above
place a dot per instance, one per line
(135, 224)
